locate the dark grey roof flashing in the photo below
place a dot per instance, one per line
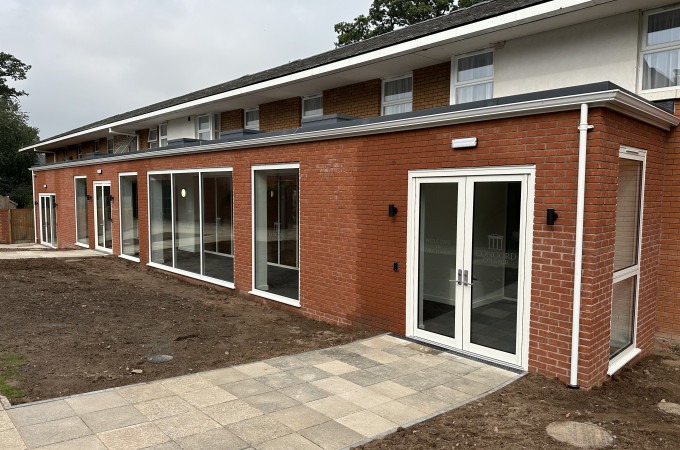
(460, 17)
(591, 88)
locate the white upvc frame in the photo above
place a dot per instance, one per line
(268, 295)
(75, 206)
(110, 145)
(153, 131)
(163, 137)
(172, 269)
(620, 360)
(403, 101)
(527, 224)
(312, 97)
(253, 125)
(208, 131)
(120, 214)
(454, 74)
(53, 218)
(644, 49)
(95, 185)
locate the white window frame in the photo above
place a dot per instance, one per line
(110, 146)
(162, 137)
(623, 358)
(80, 151)
(75, 208)
(312, 97)
(207, 131)
(185, 273)
(120, 215)
(454, 73)
(644, 49)
(216, 125)
(245, 119)
(149, 140)
(264, 294)
(403, 101)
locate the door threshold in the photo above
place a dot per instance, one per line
(463, 354)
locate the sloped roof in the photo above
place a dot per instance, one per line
(457, 18)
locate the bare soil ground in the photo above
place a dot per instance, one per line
(516, 416)
(69, 326)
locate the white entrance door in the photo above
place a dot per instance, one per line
(102, 216)
(48, 219)
(468, 265)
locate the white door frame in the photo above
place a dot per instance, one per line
(95, 185)
(463, 177)
(50, 240)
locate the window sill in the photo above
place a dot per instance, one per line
(129, 258)
(81, 245)
(276, 298)
(622, 359)
(193, 275)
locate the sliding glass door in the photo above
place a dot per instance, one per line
(129, 216)
(82, 235)
(48, 219)
(102, 216)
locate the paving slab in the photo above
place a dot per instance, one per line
(330, 399)
(581, 435)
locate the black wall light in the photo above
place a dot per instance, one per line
(392, 210)
(551, 216)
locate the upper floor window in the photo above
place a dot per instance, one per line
(661, 50)
(153, 138)
(312, 106)
(204, 129)
(163, 135)
(252, 119)
(472, 77)
(109, 144)
(397, 95)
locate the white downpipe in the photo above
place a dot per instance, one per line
(583, 128)
(35, 222)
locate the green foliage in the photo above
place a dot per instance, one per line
(10, 364)
(11, 67)
(15, 133)
(388, 15)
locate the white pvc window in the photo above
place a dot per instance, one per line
(660, 49)
(153, 138)
(312, 106)
(252, 119)
(397, 95)
(472, 77)
(163, 135)
(216, 126)
(82, 236)
(109, 145)
(129, 216)
(626, 278)
(204, 129)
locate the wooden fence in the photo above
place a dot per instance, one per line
(18, 226)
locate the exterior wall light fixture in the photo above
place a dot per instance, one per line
(392, 210)
(463, 143)
(99, 171)
(551, 216)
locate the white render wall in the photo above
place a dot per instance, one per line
(182, 128)
(601, 50)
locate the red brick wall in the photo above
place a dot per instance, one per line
(142, 139)
(281, 115)
(4, 226)
(431, 86)
(360, 99)
(231, 120)
(348, 243)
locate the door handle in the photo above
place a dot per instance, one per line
(460, 277)
(466, 278)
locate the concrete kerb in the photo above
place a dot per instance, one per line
(4, 403)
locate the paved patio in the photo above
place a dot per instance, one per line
(330, 399)
(23, 251)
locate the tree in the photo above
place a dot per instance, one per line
(387, 15)
(15, 133)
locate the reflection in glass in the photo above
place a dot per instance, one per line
(160, 201)
(623, 316)
(129, 216)
(627, 213)
(437, 258)
(495, 256)
(276, 232)
(81, 211)
(218, 241)
(103, 199)
(187, 222)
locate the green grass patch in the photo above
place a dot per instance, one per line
(10, 365)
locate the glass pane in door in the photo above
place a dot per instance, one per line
(99, 195)
(108, 240)
(495, 257)
(437, 258)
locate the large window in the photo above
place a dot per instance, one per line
(626, 254)
(397, 95)
(661, 49)
(82, 237)
(129, 228)
(276, 231)
(472, 77)
(191, 223)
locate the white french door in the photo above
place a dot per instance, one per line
(102, 216)
(48, 219)
(468, 260)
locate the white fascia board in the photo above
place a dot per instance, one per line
(514, 18)
(617, 100)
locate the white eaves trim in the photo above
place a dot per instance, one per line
(616, 100)
(514, 18)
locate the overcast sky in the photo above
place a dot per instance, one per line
(95, 58)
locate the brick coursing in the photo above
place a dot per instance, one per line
(359, 99)
(281, 114)
(431, 86)
(231, 120)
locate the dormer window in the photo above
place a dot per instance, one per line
(153, 138)
(472, 77)
(661, 49)
(252, 119)
(397, 95)
(312, 106)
